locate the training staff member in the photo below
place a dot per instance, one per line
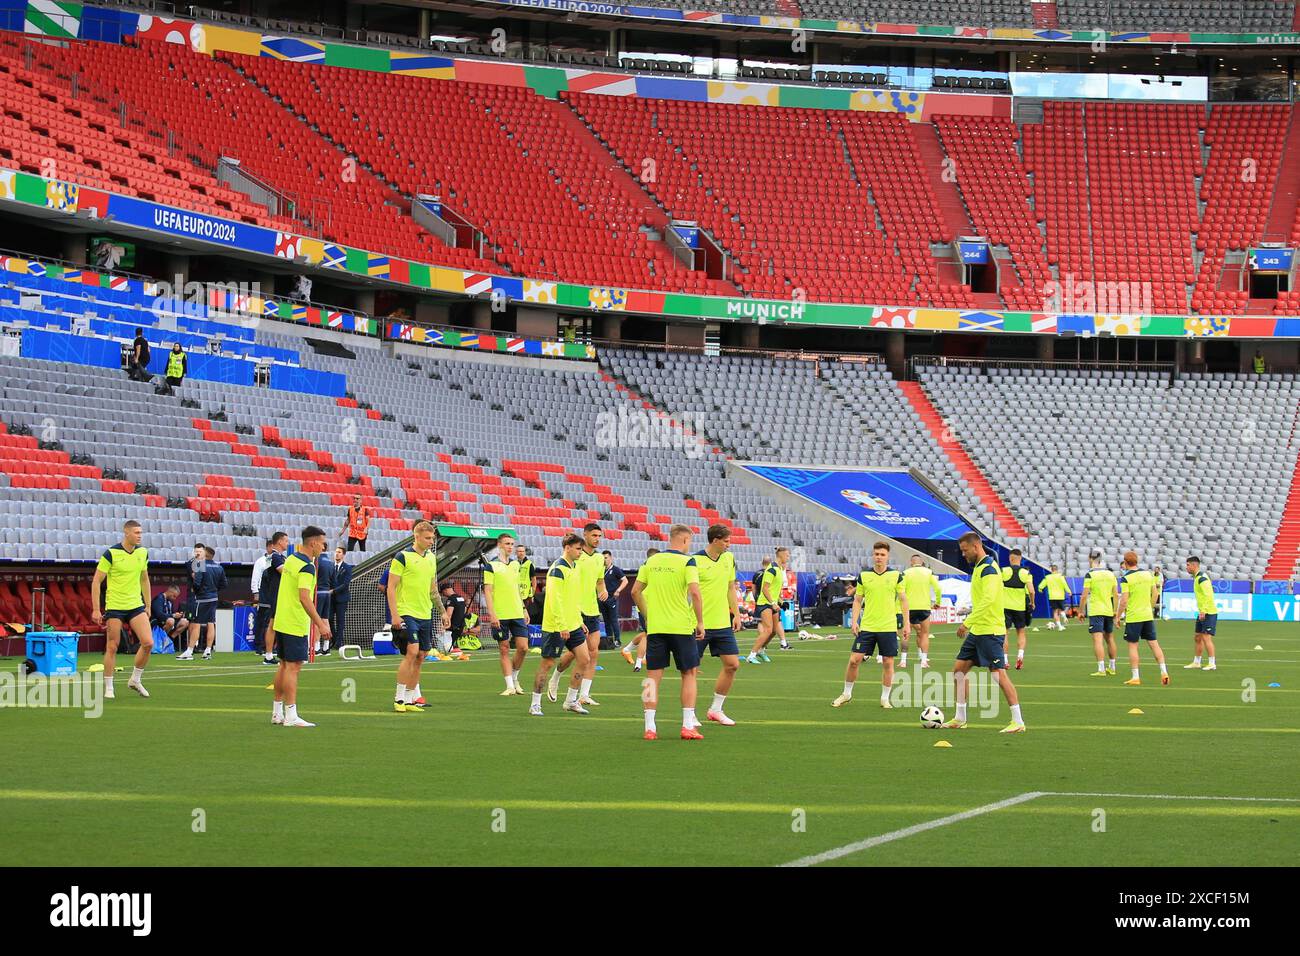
(358, 524)
(178, 365)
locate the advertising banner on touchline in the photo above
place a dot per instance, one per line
(892, 503)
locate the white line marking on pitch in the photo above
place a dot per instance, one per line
(867, 844)
(893, 835)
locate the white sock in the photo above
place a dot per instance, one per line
(1015, 714)
(1020, 654)
(649, 720)
(518, 686)
(884, 692)
(277, 709)
(1135, 673)
(268, 656)
(902, 661)
(1111, 665)
(108, 681)
(1210, 661)
(290, 713)
(848, 688)
(570, 696)
(136, 674)
(510, 682)
(961, 710)
(410, 696)
(415, 693)
(688, 717)
(717, 702)
(586, 689)
(401, 693)
(1197, 659)
(1101, 667)
(1162, 668)
(537, 699)
(925, 658)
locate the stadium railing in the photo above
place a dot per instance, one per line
(944, 361)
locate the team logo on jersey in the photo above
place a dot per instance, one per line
(866, 500)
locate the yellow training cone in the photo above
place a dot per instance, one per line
(96, 668)
(270, 687)
(1258, 647)
(1137, 710)
(943, 743)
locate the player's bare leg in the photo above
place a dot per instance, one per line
(112, 636)
(580, 660)
(144, 635)
(722, 687)
(850, 678)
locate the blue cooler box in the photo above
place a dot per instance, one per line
(53, 652)
(787, 617)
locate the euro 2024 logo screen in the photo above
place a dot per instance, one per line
(879, 508)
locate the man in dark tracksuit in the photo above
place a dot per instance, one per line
(456, 608)
(207, 579)
(339, 598)
(324, 588)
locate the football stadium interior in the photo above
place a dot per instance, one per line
(509, 266)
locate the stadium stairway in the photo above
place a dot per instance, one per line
(1285, 555)
(965, 466)
(1284, 213)
(956, 220)
(615, 175)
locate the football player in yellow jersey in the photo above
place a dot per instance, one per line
(767, 607)
(1138, 595)
(562, 628)
(505, 612)
(1017, 602)
(1098, 604)
(667, 592)
(637, 660)
(878, 594)
(922, 589)
(1058, 589)
(983, 634)
(1207, 616)
(717, 572)
(125, 567)
(591, 591)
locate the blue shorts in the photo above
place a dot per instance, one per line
(1101, 624)
(719, 641)
(513, 628)
(205, 612)
(1057, 605)
(683, 648)
(415, 629)
(761, 609)
(592, 623)
(984, 649)
(1016, 619)
(917, 617)
(884, 643)
(1207, 624)
(553, 645)
(1140, 631)
(126, 617)
(291, 647)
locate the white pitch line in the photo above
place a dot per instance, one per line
(913, 830)
(1170, 796)
(875, 841)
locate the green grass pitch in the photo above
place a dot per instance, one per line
(474, 780)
